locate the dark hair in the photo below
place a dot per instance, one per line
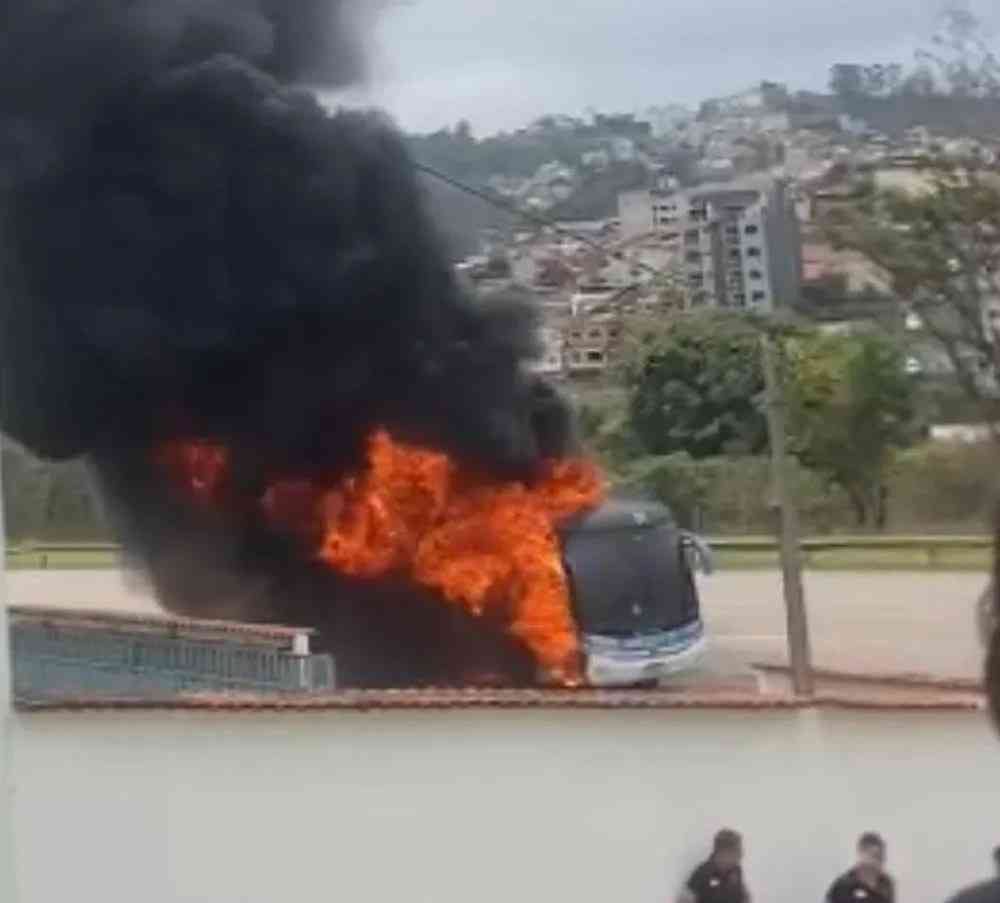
(870, 839)
(727, 840)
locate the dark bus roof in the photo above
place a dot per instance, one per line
(621, 514)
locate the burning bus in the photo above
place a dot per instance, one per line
(592, 589)
(232, 303)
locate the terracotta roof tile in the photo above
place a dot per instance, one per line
(368, 700)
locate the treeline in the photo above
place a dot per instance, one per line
(462, 156)
(688, 425)
(952, 87)
(932, 488)
(49, 502)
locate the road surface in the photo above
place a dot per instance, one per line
(868, 622)
(912, 622)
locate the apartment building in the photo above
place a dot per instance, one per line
(590, 343)
(742, 246)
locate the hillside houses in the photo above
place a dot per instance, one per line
(724, 208)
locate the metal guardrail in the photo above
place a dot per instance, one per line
(40, 555)
(933, 548)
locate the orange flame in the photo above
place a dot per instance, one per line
(198, 466)
(482, 545)
(489, 547)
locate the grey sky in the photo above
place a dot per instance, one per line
(501, 64)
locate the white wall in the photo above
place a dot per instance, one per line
(490, 806)
(635, 212)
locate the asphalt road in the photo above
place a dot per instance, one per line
(868, 622)
(911, 622)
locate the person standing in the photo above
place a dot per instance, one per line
(719, 879)
(985, 891)
(868, 881)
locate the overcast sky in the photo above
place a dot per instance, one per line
(501, 63)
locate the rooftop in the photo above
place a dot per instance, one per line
(863, 698)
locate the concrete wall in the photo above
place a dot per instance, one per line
(635, 212)
(491, 807)
(784, 238)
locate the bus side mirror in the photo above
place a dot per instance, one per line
(697, 552)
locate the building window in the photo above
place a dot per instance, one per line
(595, 357)
(758, 297)
(693, 257)
(595, 334)
(692, 237)
(576, 335)
(614, 332)
(753, 252)
(740, 300)
(756, 274)
(735, 254)
(752, 229)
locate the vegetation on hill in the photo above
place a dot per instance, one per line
(597, 195)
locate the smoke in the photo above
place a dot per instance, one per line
(190, 246)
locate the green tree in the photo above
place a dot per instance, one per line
(694, 385)
(961, 60)
(939, 245)
(851, 407)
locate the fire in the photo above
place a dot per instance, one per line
(199, 466)
(485, 546)
(489, 547)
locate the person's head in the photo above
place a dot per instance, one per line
(871, 852)
(727, 848)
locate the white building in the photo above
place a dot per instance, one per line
(595, 159)
(742, 244)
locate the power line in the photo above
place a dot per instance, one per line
(510, 207)
(544, 221)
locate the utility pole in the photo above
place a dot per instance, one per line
(799, 652)
(8, 865)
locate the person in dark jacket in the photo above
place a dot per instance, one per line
(868, 881)
(985, 891)
(719, 879)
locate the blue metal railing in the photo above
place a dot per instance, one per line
(52, 660)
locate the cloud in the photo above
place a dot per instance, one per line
(499, 65)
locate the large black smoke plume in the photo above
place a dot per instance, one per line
(190, 246)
